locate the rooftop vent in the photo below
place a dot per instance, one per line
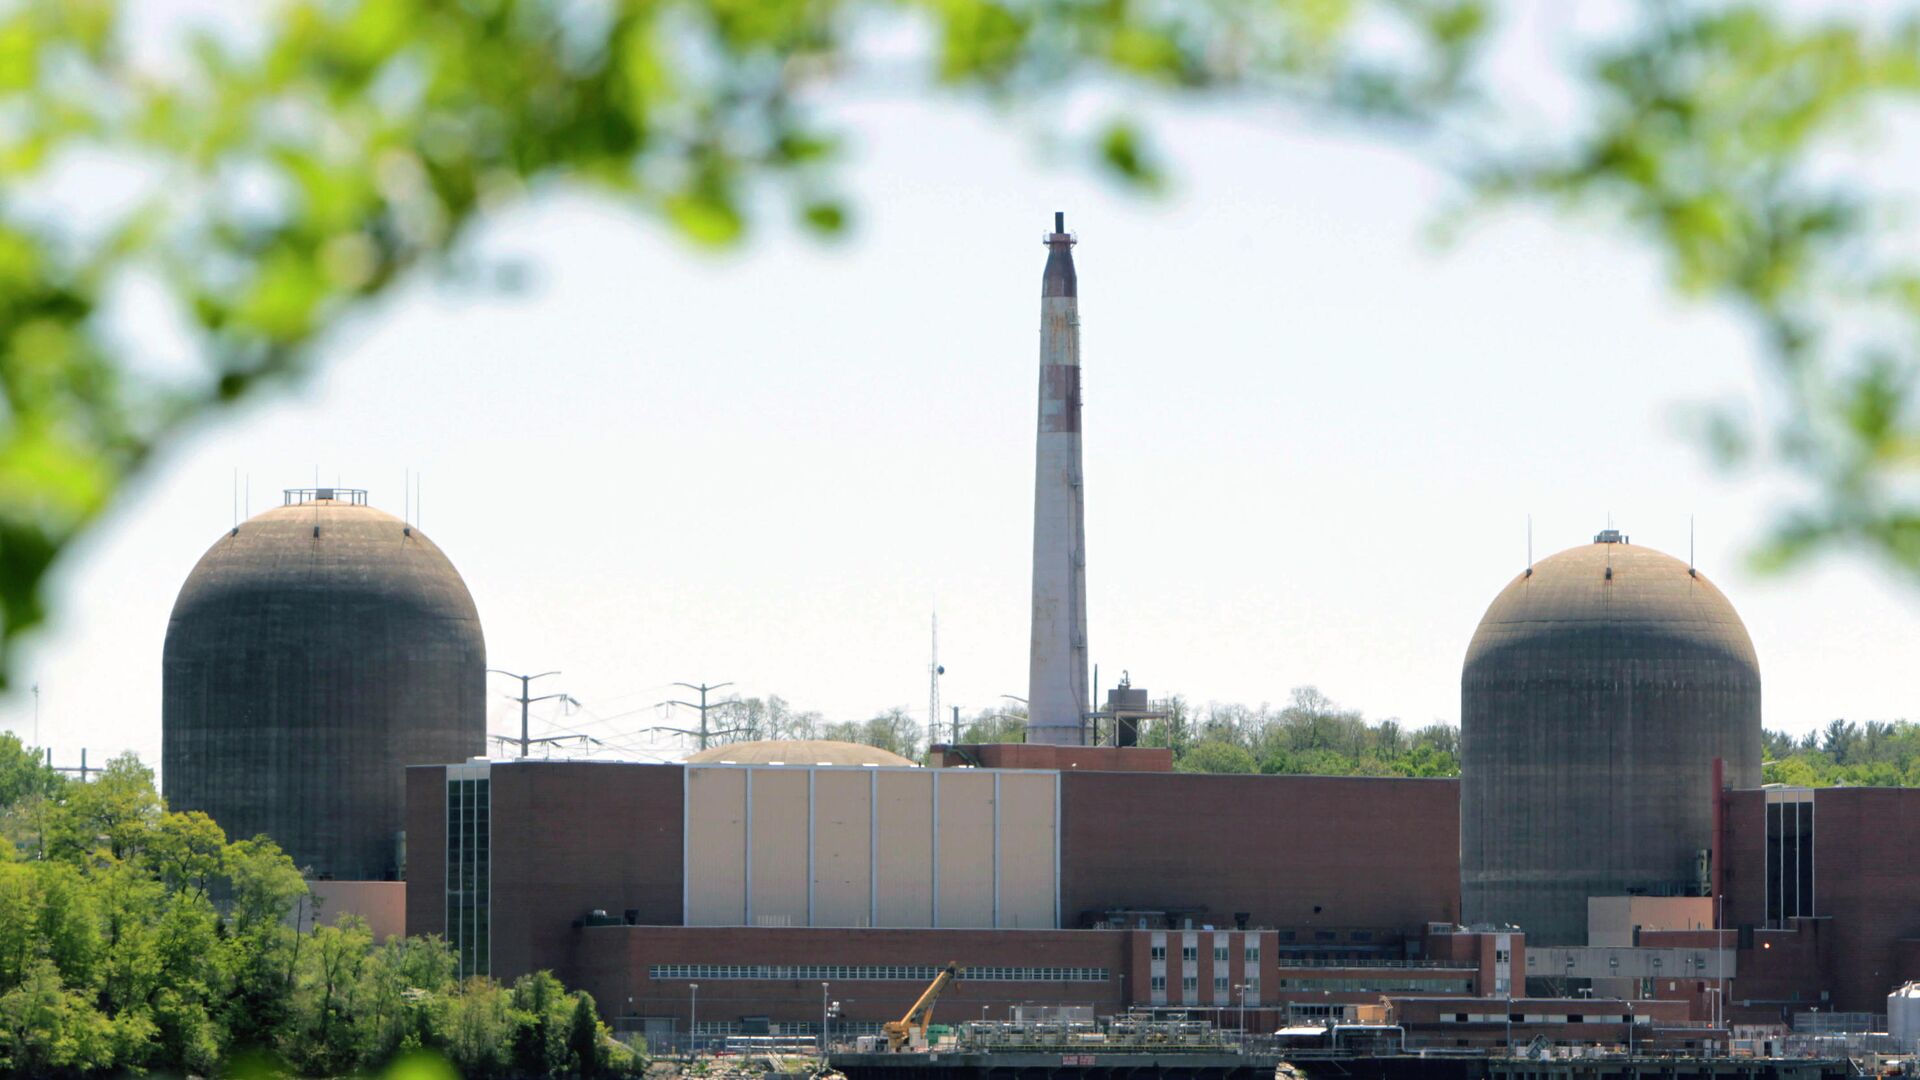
(302, 496)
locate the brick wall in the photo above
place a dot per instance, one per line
(1290, 851)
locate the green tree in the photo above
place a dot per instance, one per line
(23, 773)
(326, 1001)
(583, 1037)
(47, 1029)
(1217, 756)
(996, 726)
(111, 817)
(895, 731)
(187, 851)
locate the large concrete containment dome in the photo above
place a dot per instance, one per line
(316, 651)
(1598, 690)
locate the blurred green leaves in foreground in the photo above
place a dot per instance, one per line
(284, 179)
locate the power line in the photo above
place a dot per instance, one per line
(524, 741)
(704, 733)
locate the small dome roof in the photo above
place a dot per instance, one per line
(1648, 595)
(795, 752)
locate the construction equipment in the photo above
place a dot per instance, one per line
(910, 1031)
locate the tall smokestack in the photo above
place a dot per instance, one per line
(1057, 697)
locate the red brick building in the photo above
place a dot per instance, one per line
(1160, 888)
(1087, 876)
(1821, 901)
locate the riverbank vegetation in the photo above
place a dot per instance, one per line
(135, 939)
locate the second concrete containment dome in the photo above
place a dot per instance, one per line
(1598, 690)
(316, 651)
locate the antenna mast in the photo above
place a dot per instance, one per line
(934, 671)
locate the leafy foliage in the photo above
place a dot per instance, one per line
(1310, 735)
(135, 939)
(1875, 754)
(295, 176)
(1729, 138)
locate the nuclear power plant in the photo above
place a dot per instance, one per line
(1600, 692)
(316, 651)
(1608, 868)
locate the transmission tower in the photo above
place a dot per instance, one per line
(524, 742)
(704, 733)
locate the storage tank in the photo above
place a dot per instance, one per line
(315, 651)
(1903, 1016)
(1597, 692)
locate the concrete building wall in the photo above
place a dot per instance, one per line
(1029, 857)
(716, 872)
(967, 843)
(831, 846)
(903, 860)
(1617, 921)
(843, 847)
(780, 801)
(383, 904)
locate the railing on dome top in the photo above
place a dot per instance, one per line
(302, 496)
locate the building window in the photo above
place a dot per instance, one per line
(469, 873)
(1159, 984)
(1790, 856)
(1253, 954)
(1189, 952)
(1219, 986)
(1190, 984)
(1251, 992)
(921, 973)
(1159, 952)
(1219, 954)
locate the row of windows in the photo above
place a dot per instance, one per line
(1191, 983)
(841, 1028)
(1328, 935)
(873, 972)
(1381, 982)
(469, 873)
(1192, 952)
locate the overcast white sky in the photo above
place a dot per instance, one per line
(1312, 443)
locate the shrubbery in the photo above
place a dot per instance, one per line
(135, 939)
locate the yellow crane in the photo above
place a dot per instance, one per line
(911, 1029)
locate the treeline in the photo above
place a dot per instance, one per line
(1878, 753)
(1310, 735)
(134, 939)
(1313, 735)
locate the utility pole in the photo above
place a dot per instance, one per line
(704, 733)
(83, 770)
(525, 701)
(934, 671)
